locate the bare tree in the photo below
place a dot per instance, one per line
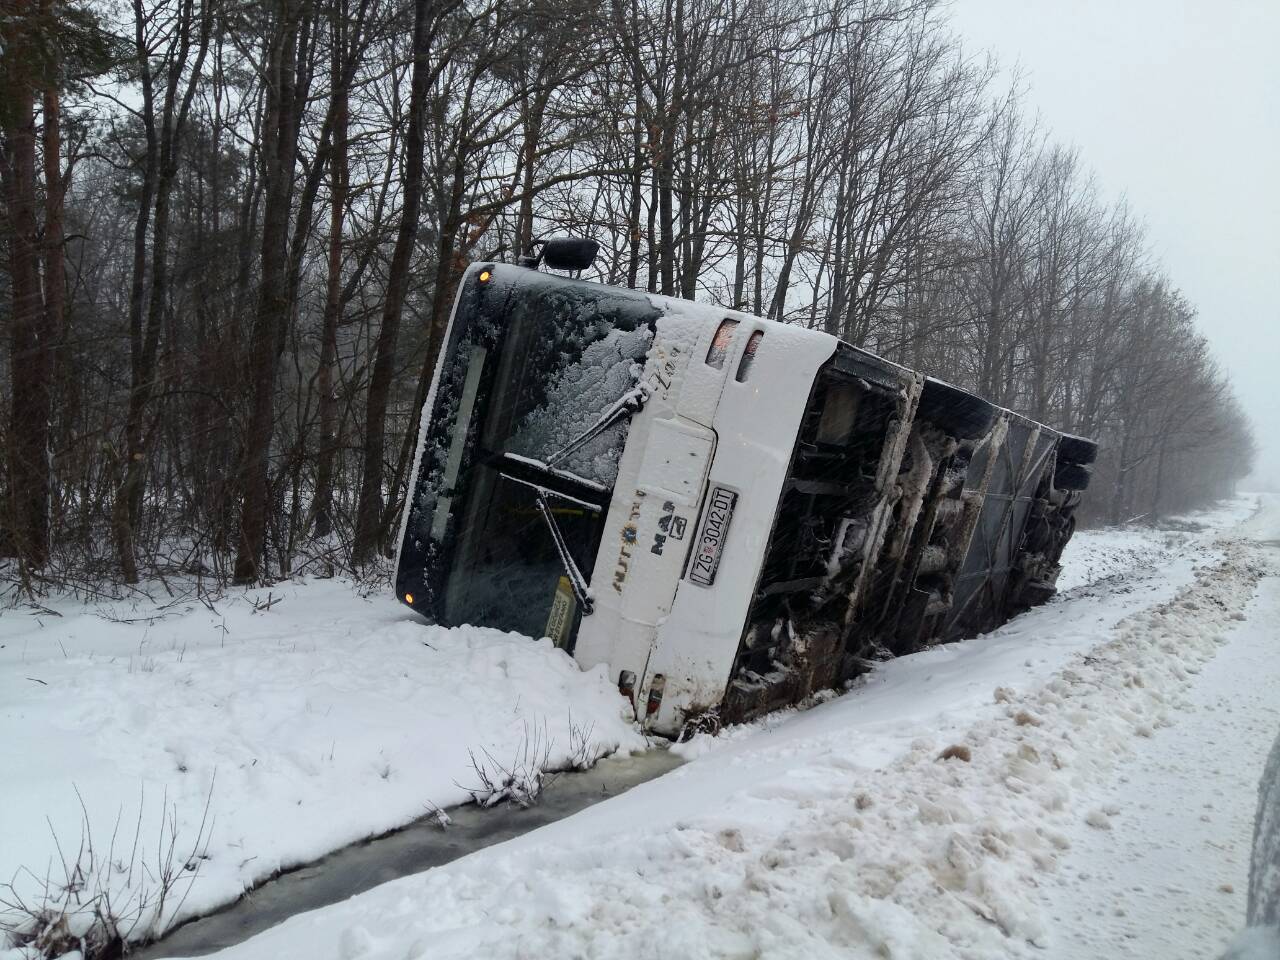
(289, 25)
(187, 36)
(220, 332)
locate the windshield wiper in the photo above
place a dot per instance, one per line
(625, 407)
(511, 464)
(577, 582)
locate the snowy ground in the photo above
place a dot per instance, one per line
(835, 831)
(1168, 872)
(305, 718)
(839, 831)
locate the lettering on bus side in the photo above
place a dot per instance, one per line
(630, 534)
(664, 368)
(710, 543)
(670, 526)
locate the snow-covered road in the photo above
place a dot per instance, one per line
(930, 815)
(1167, 875)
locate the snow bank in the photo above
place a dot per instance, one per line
(306, 717)
(1096, 555)
(820, 834)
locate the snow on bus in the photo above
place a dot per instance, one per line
(730, 512)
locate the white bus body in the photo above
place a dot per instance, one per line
(759, 509)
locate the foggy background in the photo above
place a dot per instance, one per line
(1175, 105)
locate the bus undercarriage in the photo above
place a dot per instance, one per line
(732, 514)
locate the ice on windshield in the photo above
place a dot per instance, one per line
(583, 389)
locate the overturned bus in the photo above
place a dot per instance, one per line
(731, 513)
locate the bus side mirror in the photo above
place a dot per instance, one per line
(569, 253)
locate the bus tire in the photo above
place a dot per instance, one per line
(1071, 476)
(956, 411)
(1075, 449)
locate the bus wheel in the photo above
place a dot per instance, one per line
(1071, 476)
(1077, 449)
(955, 411)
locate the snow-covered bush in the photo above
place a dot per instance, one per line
(530, 770)
(101, 900)
(520, 780)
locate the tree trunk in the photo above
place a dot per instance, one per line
(159, 173)
(369, 509)
(121, 518)
(280, 147)
(31, 340)
(55, 272)
(322, 506)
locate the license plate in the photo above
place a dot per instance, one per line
(710, 543)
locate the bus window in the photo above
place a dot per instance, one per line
(531, 415)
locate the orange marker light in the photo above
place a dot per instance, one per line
(408, 598)
(484, 276)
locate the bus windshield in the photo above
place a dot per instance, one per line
(525, 433)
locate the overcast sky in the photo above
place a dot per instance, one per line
(1176, 105)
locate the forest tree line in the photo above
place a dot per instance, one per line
(233, 231)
